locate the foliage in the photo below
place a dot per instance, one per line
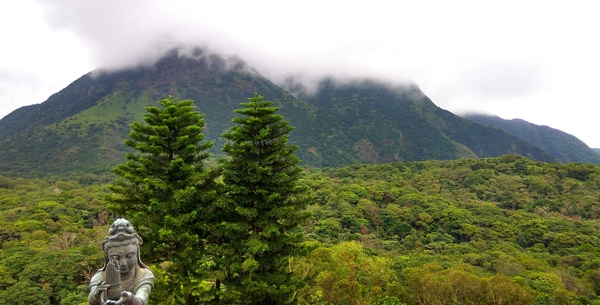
(565, 147)
(516, 231)
(166, 190)
(50, 232)
(264, 206)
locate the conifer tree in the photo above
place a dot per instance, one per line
(166, 190)
(265, 203)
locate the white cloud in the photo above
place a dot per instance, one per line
(35, 61)
(535, 60)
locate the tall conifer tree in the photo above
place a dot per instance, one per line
(265, 203)
(166, 191)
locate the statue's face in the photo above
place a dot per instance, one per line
(126, 256)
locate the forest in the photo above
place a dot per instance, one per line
(503, 230)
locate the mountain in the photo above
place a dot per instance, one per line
(563, 146)
(391, 123)
(82, 127)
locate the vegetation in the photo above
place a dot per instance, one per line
(517, 231)
(245, 241)
(504, 230)
(50, 232)
(563, 146)
(167, 191)
(264, 207)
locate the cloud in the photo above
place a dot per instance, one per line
(464, 54)
(309, 38)
(33, 60)
(118, 33)
(504, 80)
(401, 40)
(493, 48)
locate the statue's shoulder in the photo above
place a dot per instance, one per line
(97, 278)
(145, 276)
(145, 271)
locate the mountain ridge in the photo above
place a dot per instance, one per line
(81, 128)
(564, 146)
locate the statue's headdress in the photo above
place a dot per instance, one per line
(121, 233)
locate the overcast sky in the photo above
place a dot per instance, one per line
(534, 60)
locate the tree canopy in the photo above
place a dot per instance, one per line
(265, 205)
(166, 189)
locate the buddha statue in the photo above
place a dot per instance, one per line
(123, 279)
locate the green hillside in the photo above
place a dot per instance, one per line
(81, 128)
(504, 230)
(399, 123)
(565, 147)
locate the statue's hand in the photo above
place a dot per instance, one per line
(125, 298)
(98, 290)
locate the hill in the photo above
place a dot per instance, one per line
(392, 123)
(82, 127)
(565, 147)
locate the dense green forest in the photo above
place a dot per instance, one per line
(505, 230)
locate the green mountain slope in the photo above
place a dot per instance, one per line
(563, 146)
(81, 128)
(394, 123)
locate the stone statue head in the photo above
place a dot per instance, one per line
(121, 236)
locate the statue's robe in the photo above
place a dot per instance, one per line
(141, 286)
